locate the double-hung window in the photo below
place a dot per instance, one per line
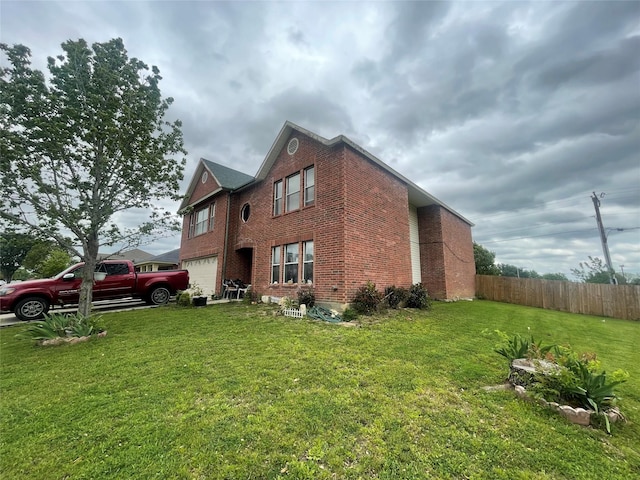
(192, 225)
(275, 264)
(212, 215)
(307, 262)
(309, 186)
(291, 258)
(277, 197)
(293, 193)
(202, 221)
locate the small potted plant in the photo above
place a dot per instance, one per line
(197, 297)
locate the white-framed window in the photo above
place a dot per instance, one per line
(202, 221)
(293, 193)
(212, 215)
(275, 264)
(192, 225)
(277, 197)
(309, 186)
(307, 261)
(291, 259)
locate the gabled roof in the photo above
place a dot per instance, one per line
(227, 178)
(231, 180)
(169, 258)
(417, 196)
(135, 255)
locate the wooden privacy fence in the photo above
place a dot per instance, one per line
(617, 301)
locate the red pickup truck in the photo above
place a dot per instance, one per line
(31, 299)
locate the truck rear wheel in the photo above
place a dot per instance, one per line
(159, 296)
(31, 308)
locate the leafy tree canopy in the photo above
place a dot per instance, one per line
(507, 270)
(485, 260)
(595, 271)
(14, 248)
(555, 276)
(86, 144)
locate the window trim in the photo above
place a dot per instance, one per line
(279, 254)
(308, 187)
(296, 263)
(306, 262)
(212, 215)
(275, 252)
(282, 203)
(288, 194)
(278, 200)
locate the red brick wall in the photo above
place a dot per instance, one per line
(321, 222)
(211, 242)
(376, 226)
(446, 252)
(359, 224)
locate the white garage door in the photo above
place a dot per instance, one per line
(203, 272)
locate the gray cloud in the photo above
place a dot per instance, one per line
(513, 113)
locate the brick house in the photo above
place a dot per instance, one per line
(323, 213)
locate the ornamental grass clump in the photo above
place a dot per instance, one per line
(577, 381)
(62, 325)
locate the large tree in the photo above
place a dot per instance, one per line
(14, 248)
(485, 260)
(85, 143)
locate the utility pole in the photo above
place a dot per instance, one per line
(603, 238)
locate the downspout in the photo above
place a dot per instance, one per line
(226, 238)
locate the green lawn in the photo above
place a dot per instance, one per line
(233, 392)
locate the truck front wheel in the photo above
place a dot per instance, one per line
(31, 308)
(159, 296)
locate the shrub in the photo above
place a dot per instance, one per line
(306, 296)
(349, 315)
(395, 297)
(183, 299)
(61, 325)
(520, 347)
(367, 299)
(418, 297)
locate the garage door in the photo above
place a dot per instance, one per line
(203, 272)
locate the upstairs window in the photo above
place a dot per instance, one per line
(212, 215)
(192, 225)
(293, 193)
(277, 197)
(202, 221)
(309, 186)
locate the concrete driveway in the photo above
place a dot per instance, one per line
(9, 319)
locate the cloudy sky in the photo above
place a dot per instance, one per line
(512, 113)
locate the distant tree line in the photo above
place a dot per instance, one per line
(24, 256)
(593, 271)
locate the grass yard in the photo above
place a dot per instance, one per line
(232, 392)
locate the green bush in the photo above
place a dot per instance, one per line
(395, 297)
(306, 296)
(349, 315)
(183, 299)
(367, 299)
(418, 297)
(521, 347)
(62, 325)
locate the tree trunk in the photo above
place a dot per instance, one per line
(86, 288)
